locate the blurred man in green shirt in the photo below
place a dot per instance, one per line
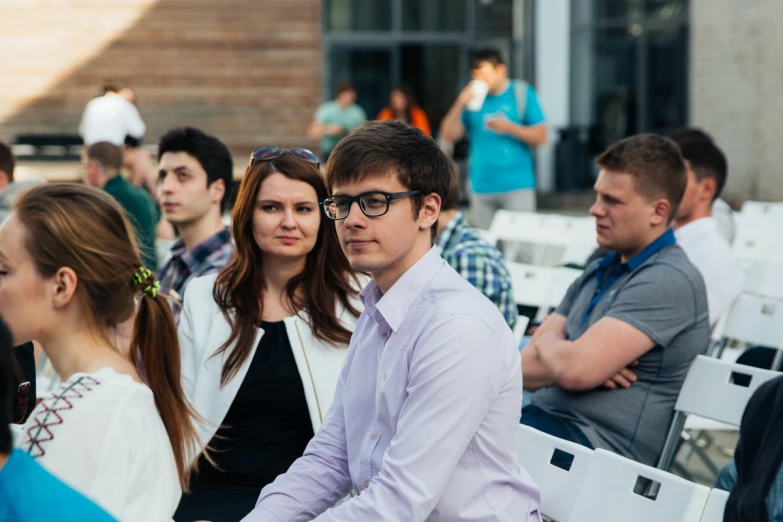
(102, 162)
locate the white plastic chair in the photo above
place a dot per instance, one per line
(758, 237)
(761, 209)
(562, 279)
(540, 287)
(763, 279)
(708, 391)
(608, 493)
(753, 320)
(716, 505)
(559, 487)
(574, 236)
(531, 284)
(520, 327)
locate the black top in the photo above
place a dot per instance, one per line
(758, 455)
(265, 430)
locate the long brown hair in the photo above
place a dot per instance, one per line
(70, 225)
(326, 279)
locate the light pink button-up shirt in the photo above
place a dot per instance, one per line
(425, 419)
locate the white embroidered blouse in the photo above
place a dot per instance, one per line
(101, 434)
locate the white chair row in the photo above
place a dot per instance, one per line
(757, 232)
(713, 397)
(574, 236)
(540, 287)
(600, 485)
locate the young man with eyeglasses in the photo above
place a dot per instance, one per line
(424, 422)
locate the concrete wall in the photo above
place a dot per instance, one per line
(737, 90)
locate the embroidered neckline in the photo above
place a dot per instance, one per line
(48, 413)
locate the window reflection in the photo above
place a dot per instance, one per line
(665, 9)
(667, 73)
(433, 15)
(358, 15)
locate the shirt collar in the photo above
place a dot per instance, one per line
(117, 179)
(451, 232)
(696, 227)
(392, 306)
(194, 257)
(665, 240)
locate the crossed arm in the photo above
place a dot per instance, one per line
(600, 356)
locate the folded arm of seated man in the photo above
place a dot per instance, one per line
(599, 356)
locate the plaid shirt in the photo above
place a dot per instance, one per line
(480, 263)
(208, 256)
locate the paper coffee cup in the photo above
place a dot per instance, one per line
(480, 89)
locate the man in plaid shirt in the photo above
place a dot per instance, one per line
(472, 256)
(195, 171)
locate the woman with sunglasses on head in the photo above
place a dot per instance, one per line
(265, 339)
(118, 428)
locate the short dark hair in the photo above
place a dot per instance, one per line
(108, 87)
(211, 153)
(379, 148)
(7, 161)
(705, 157)
(451, 201)
(489, 54)
(107, 154)
(344, 87)
(7, 389)
(656, 164)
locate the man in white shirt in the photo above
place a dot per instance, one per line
(111, 118)
(697, 230)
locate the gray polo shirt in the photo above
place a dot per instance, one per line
(664, 297)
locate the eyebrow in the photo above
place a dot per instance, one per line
(363, 192)
(274, 201)
(181, 168)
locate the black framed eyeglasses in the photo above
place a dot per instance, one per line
(270, 153)
(373, 204)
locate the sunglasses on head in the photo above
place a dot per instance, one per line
(270, 153)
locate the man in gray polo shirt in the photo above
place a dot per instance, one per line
(643, 306)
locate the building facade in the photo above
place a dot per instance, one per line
(253, 71)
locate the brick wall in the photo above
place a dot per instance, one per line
(248, 71)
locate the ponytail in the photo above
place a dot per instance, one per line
(154, 350)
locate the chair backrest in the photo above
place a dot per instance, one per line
(757, 236)
(520, 327)
(609, 493)
(562, 279)
(574, 236)
(716, 505)
(761, 209)
(755, 320)
(559, 487)
(531, 284)
(530, 227)
(763, 278)
(708, 390)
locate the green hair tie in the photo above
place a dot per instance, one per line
(152, 290)
(142, 275)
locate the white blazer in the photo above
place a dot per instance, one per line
(203, 329)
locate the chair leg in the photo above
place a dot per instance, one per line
(672, 442)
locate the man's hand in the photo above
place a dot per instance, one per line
(500, 124)
(622, 379)
(333, 130)
(465, 96)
